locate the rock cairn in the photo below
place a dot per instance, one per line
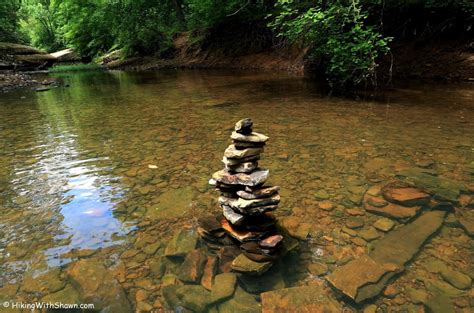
(245, 201)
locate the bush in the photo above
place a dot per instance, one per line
(337, 36)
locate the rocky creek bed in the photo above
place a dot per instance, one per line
(101, 196)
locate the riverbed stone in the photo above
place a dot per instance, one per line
(243, 264)
(223, 287)
(172, 203)
(362, 278)
(326, 205)
(466, 220)
(369, 234)
(194, 297)
(45, 283)
(384, 224)
(241, 302)
(439, 303)
(318, 268)
(98, 285)
(8, 292)
(210, 270)
(400, 245)
(355, 222)
(456, 278)
(417, 296)
(405, 195)
(192, 268)
(299, 299)
(67, 295)
(366, 276)
(391, 210)
(322, 195)
(441, 187)
(183, 242)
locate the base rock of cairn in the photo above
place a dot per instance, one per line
(246, 203)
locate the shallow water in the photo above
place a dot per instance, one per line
(118, 161)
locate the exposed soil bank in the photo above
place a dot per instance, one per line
(447, 61)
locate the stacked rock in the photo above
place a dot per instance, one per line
(246, 203)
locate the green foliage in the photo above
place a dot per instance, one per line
(9, 21)
(338, 36)
(40, 24)
(74, 68)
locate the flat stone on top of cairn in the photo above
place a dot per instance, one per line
(245, 200)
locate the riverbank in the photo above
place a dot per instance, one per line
(430, 61)
(450, 61)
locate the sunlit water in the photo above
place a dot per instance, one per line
(82, 167)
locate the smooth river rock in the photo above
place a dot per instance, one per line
(253, 137)
(97, 284)
(406, 196)
(258, 193)
(242, 205)
(392, 210)
(233, 153)
(183, 242)
(368, 275)
(442, 188)
(304, 299)
(255, 178)
(243, 264)
(244, 126)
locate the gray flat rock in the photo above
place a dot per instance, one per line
(264, 192)
(233, 153)
(253, 137)
(255, 178)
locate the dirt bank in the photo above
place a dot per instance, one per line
(446, 61)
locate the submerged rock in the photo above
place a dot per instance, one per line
(194, 297)
(390, 209)
(402, 244)
(210, 270)
(172, 203)
(362, 278)
(367, 276)
(299, 299)
(384, 224)
(183, 242)
(441, 188)
(243, 264)
(241, 302)
(224, 286)
(466, 220)
(98, 285)
(404, 195)
(193, 266)
(48, 282)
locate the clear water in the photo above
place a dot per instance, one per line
(89, 170)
